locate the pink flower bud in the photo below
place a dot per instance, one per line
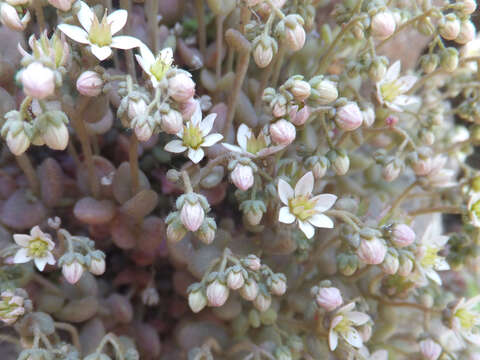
(143, 131)
(9, 17)
(197, 300)
(89, 83)
(372, 251)
(18, 143)
(349, 117)
(469, 6)
(294, 33)
(38, 81)
(279, 109)
(300, 90)
(430, 349)
(262, 55)
(188, 108)
(299, 117)
(181, 87)
(278, 287)
(383, 25)
(283, 132)
(56, 137)
(467, 32)
(192, 216)
(253, 262)
(97, 266)
(402, 235)
(249, 291)
(136, 107)
(450, 27)
(262, 302)
(235, 280)
(217, 293)
(329, 298)
(242, 177)
(390, 264)
(391, 171)
(64, 5)
(72, 272)
(172, 122)
(406, 266)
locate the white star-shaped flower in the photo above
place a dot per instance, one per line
(343, 324)
(37, 246)
(302, 207)
(194, 135)
(99, 35)
(155, 67)
(392, 88)
(466, 319)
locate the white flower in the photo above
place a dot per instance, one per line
(11, 307)
(433, 170)
(99, 35)
(194, 135)
(249, 144)
(343, 324)
(302, 207)
(155, 67)
(428, 261)
(37, 246)
(466, 319)
(392, 88)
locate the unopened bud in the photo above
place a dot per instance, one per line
(429, 62)
(181, 87)
(430, 349)
(349, 117)
(368, 115)
(340, 161)
(449, 59)
(294, 32)
(392, 170)
(377, 70)
(325, 91)
(372, 251)
(217, 293)
(55, 136)
(406, 266)
(172, 122)
(192, 215)
(38, 81)
(197, 300)
(469, 6)
(467, 32)
(252, 262)
(449, 28)
(64, 5)
(10, 18)
(235, 279)
(89, 83)
(175, 231)
(264, 50)
(72, 272)
(390, 264)
(300, 90)
(249, 291)
(242, 177)
(402, 235)
(282, 132)
(278, 286)
(17, 142)
(329, 298)
(262, 302)
(383, 25)
(299, 117)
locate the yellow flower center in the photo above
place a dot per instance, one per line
(476, 209)
(302, 207)
(467, 318)
(159, 68)
(390, 91)
(192, 136)
(430, 257)
(100, 32)
(37, 248)
(343, 326)
(255, 144)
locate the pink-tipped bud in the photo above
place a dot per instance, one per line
(349, 117)
(283, 132)
(383, 25)
(300, 90)
(10, 18)
(72, 272)
(242, 177)
(391, 171)
(278, 286)
(390, 264)
(181, 87)
(90, 83)
(217, 293)
(56, 136)
(372, 251)
(235, 280)
(192, 216)
(263, 54)
(402, 235)
(329, 298)
(467, 32)
(430, 349)
(249, 291)
(97, 266)
(136, 108)
(299, 117)
(143, 131)
(188, 108)
(64, 5)
(253, 262)
(294, 33)
(449, 28)
(38, 81)
(262, 302)
(172, 122)
(469, 6)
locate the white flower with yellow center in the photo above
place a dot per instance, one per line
(392, 88)
(155, 67)
(194, 135)
(99, 34)
(466, 319)
(302, 207)
(428, 260)
(37, 246)
(343, 325)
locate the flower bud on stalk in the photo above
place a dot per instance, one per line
(469, 6)
(449, 59)
(349, 117)
(300, 90)
(242, 176)
(10, 17)
(38, 81)
(197, 300)
(262, 302)
(299, 117)
(63, 5)
(283, 132)
(467, 32)
(235, 279)
(329, 298)
(430, 349)
(279, 285)
(217, 293)
(383, 25)
(323, 91)
(372, 249)
(72, 271)
(252, 262)
(97, 263)
(192, 215)
(249, 291)
(392, 170)
(181, 87)
(339, 161)
(402, 235)
(390, 264)
(265, 47)
(89, 83)
(172, 122)
(294, 32)
(449, 28)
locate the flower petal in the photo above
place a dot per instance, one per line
(211, 139)
(175, 146)
(405, 100)
(197, 115)
(243, 134)
(22, 239)
(304, 186)
(143, 64)
(321, 221)
(324, 201)
(40, 263)
(471, 337)
(207, 124)
(75, 33)
(433, 275)
(50, 258)
(307, 229)
(21, 256)
(85, 16)
(285, 191)
(357, 318)
(196, 155)
(332, 340)
(147, 56)
(353, 338)
(393, 72)
(101, 53)
(233, 148)
(406, 82)
(285, 216)
(117, 20)
(125, 42)
(36, 232)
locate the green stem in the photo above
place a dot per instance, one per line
(397, 202)
(202, 32)
(25, 164)
(134, 169)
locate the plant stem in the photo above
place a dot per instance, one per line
(73, 333)
(47, 284)
(152, 12)
(263, 84)
(397, 202)
(219, 44)
(127, 5)
(345, 216)
(39, 14)
(202, 28)
(25, 164)
(133, 156)
(186, 182)
(278, 65)
(436, 209)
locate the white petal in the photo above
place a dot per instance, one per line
(211, 139)
(85, 16)
(441, 265)
(22, 239)
(471, 337)
(75, 33)
(233, 148)
(243, 134)
(379, 355)
(304, 186)
(404, 100)
(433, 275)
(101, 53)
(50, 259)
(357, 318)
(285, 216)
(207, 124)
(307, 229)
(393, 72)
(285, 191)
(117, 20)
(332, 340)
(353, 338)
(346, 308)
(36, 232)
(21, 256)
(195, 155)
(143, 63)
(125, 42)
(321, 221)
(324, 201)
(147, 56)
(40, 263)
(175, 146)
(393, 106)
(197, 115)
(406, 82)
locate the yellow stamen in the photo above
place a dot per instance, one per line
(192, 136)
(37, 248)
(100, 32)
(302, 207)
